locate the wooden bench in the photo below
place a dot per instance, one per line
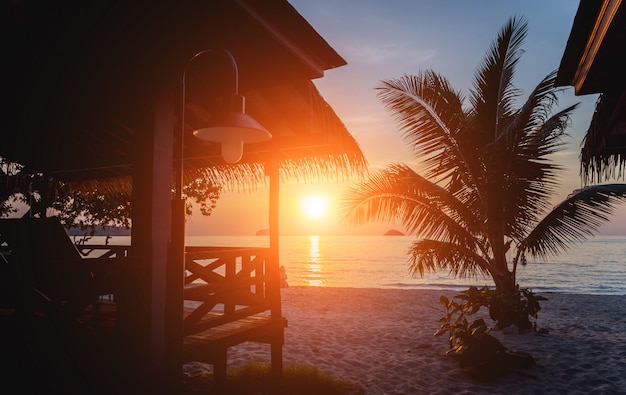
(232, 296)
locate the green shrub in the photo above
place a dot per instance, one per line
(480, 353)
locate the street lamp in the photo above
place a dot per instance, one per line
(233, 127)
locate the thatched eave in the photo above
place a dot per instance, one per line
(593, 62)
(77, 96)
(603, 154)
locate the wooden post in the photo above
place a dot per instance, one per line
(143, 318)
(174, 287)
(220, 367)
(175, 272)
(230, 272)
(273, 265)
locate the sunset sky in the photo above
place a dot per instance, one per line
(387, 39)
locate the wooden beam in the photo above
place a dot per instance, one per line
(603, 21)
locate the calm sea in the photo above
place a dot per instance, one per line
(597, 266)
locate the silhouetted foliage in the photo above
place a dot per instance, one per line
(85, 208)
(481, 354)
(482, 201)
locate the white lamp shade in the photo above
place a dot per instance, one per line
(233, 131)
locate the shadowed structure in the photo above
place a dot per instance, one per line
(92, 94)
(594, 61)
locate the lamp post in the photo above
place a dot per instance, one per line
(232, 128)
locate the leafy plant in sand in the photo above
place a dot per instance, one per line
(481, 353)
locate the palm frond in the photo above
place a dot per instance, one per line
(531, 116)
(534, 151)
(573, 220)
(493, 92)
(531, 177)
(427, 255)
(430, 114)
(513, 160)
(423, 207)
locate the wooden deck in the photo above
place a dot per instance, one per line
(231, 294)
(208, 345)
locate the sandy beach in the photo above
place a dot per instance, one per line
(382, 339)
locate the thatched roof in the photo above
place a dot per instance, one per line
(603, 155)
(309, 141)
(79, 80)
(594, 61)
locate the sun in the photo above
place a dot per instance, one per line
(314, 206)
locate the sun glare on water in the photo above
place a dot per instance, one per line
(314, 206)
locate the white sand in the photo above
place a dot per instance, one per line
(383, 340)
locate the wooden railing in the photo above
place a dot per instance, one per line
(109, 264)
(102, 250)
(222, 284)
(228, 284)
(231, 295)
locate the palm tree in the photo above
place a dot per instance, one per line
(487, 178)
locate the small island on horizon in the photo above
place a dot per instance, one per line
(393, 232)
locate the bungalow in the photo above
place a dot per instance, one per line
(593, 62)
(106, 96)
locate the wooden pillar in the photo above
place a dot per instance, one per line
(273, 173)
(145, 314)
(174, 297)
(174, 274)
(220, 367)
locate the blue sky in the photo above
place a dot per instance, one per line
(390, 38)
(387, 39)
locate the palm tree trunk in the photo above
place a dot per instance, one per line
(503, 277)
(507, 307)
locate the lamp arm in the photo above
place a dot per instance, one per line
(235, 86)
(235, 70)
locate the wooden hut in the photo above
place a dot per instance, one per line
(594, 62)
(93, 98)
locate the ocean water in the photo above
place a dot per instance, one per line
(596, 266)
